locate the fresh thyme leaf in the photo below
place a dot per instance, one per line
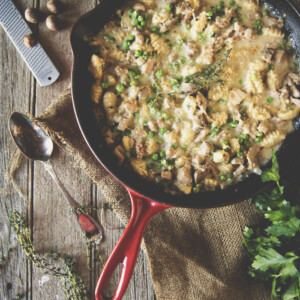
(210, 75)
(274, 247)
(206, 78)
(52, 263)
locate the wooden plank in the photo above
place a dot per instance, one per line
(16, 94)
(54, 227)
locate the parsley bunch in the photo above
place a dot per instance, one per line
(274, 248)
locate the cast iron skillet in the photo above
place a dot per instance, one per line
(147, 198)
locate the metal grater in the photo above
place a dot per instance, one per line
(35, 57)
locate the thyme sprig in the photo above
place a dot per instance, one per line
(58, 265)
(210, 75)
(3, 259)
(205, 78)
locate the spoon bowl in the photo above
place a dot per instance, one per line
(32, 141)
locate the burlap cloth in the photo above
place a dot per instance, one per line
(193, 253)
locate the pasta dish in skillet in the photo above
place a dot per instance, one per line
(194, 95)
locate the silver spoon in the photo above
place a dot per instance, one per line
(35, 144)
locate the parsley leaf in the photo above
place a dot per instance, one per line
(273, 248)
(272, 174)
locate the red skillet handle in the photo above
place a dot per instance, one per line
(127, 249)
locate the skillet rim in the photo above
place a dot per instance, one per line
(233, 194)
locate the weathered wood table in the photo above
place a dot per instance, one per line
(53, 226)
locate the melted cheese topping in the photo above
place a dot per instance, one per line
(194, 94)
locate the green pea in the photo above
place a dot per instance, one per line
(182, 60)
(233, 124)
(154, 156)
(126, 45)
(234, 20)
(120, 88)
(111, 40)
(140, 18)
(135, 14)
(271, 67)
(258, 139)
(131, 38)
(270, 99)
(210, 13)
(159, 73)
(133, 83)
(169, 7)
(154, 29)
(184, 147)
(162, 153)
(223, 177)
(162, 130)
(130, 11)
(187, 26)
(151, 134)
(225, 145)
(138, 53)
(240, 154)
(145, 55)
(104, 85)
(196, 188)
(230, 179)
(135, 21)
(232, 3)
(127, 155)
(139, 27)
(173, 146)
(143, 23)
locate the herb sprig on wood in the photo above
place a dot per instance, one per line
(52, 263)
(274, 249)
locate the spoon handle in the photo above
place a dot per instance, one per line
(88, 224)
(67, 195)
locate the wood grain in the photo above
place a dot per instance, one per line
(52, 224)
(50, 218)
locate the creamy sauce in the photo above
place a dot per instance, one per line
(194, 95)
